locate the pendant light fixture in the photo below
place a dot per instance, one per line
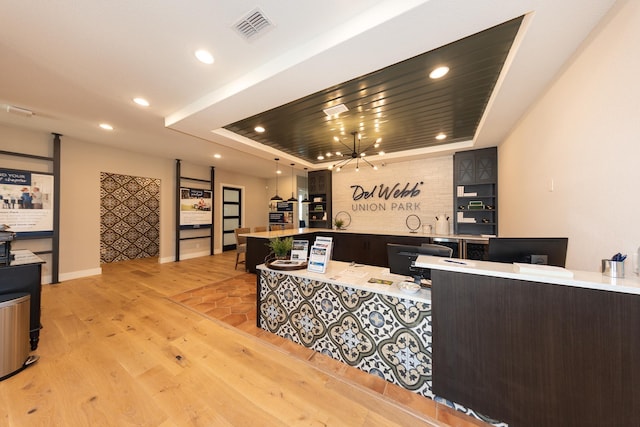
(276, 198)
(292, 199)
(306, 200)
(355, 154)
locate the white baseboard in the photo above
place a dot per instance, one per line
(74, 275)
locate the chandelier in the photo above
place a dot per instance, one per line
(356, 153)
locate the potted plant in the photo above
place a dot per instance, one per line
(338, 223)
(280, 247)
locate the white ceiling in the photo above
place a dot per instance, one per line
(78, 63)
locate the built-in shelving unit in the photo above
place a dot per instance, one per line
(320, 196)
(207, 231)
(475, 192)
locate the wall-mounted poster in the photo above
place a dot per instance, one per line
(195, 208)
(26, 202)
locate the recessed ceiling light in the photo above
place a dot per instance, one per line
(217, 156)
(204, 56)
(320, 157)
(106, 126)
(259, 129)
(381, 153)
(441, 136)
(439, 72)
(141, 101)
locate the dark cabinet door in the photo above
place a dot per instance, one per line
(320, 182)
(486, 166)
(465, 168)
(476, 167)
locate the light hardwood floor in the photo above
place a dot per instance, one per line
(115, 350)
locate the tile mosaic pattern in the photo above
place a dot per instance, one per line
(129, 217)
(346, 323)
(385, 336)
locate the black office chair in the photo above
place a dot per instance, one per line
(436, 250)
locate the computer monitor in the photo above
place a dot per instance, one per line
(401, 259)
(530, 250)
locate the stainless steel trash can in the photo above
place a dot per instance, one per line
(14, 333)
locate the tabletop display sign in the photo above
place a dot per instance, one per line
(300, 250)
(320, 254)
(195, 208)
(26, 202)
(318, 259)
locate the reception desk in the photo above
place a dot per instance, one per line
(536, 349)
(363, 246)
(375, 327)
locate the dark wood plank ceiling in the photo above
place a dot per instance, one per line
(399, 104)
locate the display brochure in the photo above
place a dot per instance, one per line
(300, 250)
(319, 258)
(380, 281)
(287, 263)
(325, 241)
(320, 254)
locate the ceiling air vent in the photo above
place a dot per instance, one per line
(335, 110)
(253, 24)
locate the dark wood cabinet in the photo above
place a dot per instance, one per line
(369, 249)
(476, 166)
(320, 214)
(534, 354)
(475, 192)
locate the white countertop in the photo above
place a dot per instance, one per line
(583, 279)
(357, 276)
(297, 231)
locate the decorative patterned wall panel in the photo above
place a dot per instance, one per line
(129, 217)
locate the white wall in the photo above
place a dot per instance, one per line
(584, 137)
(82, 163)
(435, 183)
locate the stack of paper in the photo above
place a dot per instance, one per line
(544, 270)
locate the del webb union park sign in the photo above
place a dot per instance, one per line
(385, 197)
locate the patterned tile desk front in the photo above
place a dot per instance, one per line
(384, 335)
(373, 327)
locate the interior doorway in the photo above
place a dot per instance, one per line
(231, 216)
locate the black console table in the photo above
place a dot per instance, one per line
(24, 275)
